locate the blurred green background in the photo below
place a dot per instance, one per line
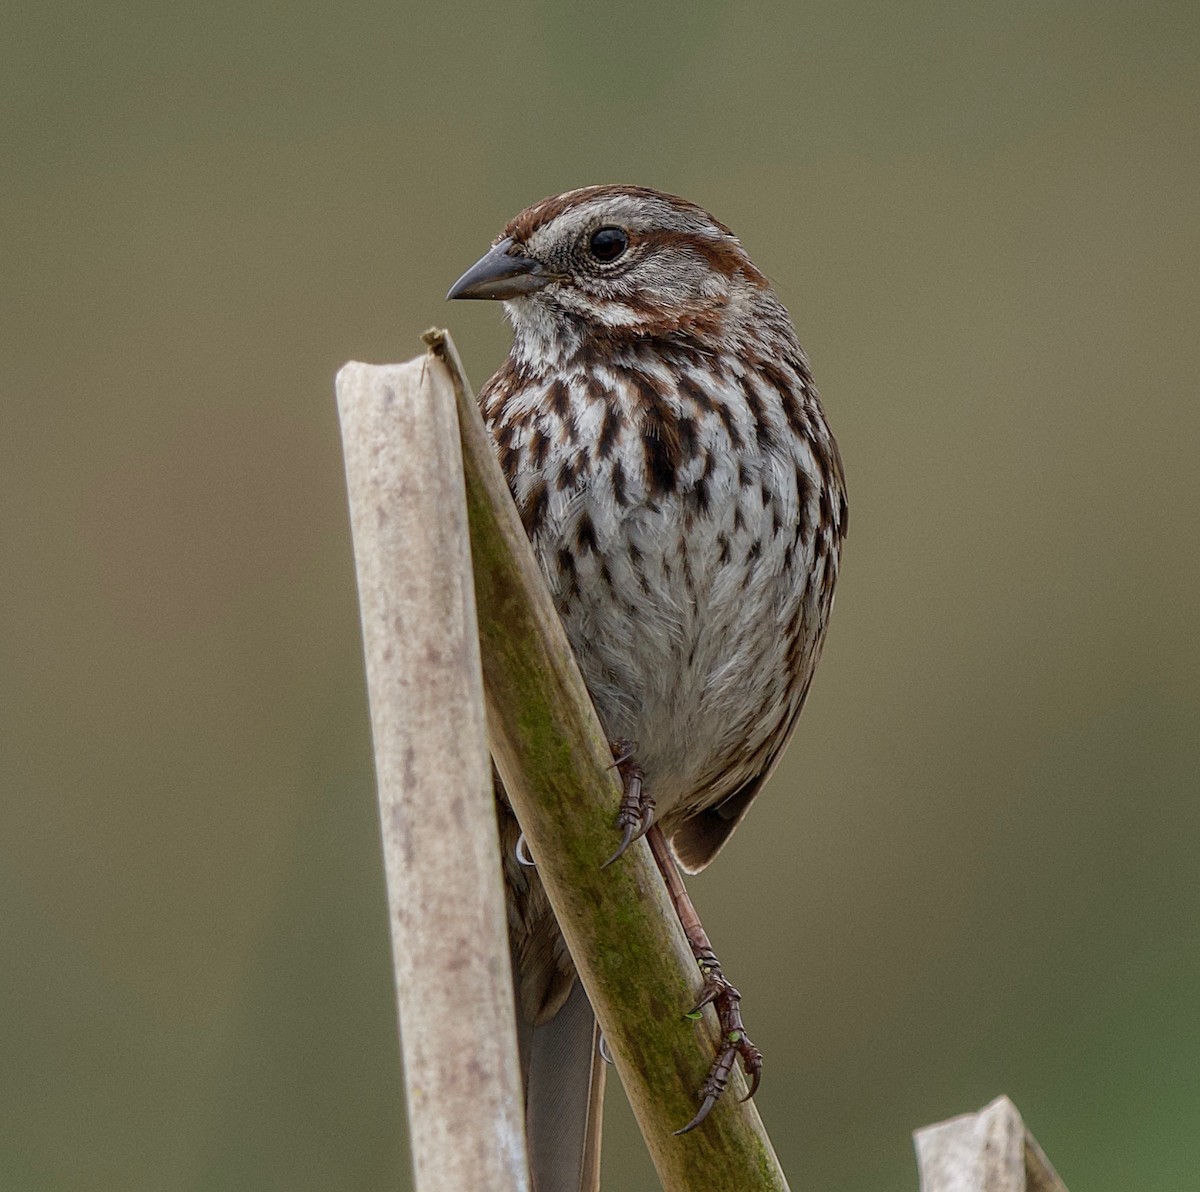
(976, 872)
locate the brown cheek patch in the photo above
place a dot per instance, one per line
(724, 256)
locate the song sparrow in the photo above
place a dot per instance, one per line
(659, 428)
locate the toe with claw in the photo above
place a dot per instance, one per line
(735, 1043)
(636, 813)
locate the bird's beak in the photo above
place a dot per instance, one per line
(502, 273)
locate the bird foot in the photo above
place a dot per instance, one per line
(735, 1043)
(636, 813)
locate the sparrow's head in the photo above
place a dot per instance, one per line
(619, 261)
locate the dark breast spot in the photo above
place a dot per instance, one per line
(825, 513)
(688, 437)
(539, 447)
(661, 467)
(791, 390)
(725, 413)
(533, 508)
(610, 428)
(776, 517)
(620, 496)
(566, 569)
(585, 534)
(558, 398)
(510, 460)
(763, 431)
(694, 392)
(569, 472)
(660, 433)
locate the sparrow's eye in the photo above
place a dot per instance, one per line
(607, 244)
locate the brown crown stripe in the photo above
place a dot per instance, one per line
(522, 226)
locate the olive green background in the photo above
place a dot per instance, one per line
(976, 871)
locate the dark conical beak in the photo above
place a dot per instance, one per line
(501, 273)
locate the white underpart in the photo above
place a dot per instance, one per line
(693, 673)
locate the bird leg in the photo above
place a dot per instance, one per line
(636, 819)
(636, 812)
(717, 991)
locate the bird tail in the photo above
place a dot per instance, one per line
(564, 1099)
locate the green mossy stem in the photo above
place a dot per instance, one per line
(618, 922)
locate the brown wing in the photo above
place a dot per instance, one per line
(699, 838)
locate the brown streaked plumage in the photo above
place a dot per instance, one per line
(658, 425)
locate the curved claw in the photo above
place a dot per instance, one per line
(627, 839)
(735, 1044)
(522, 853)
(633, 831)
(602, 1048)
(636, 814)
(704, 1111)
(755, 1077)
